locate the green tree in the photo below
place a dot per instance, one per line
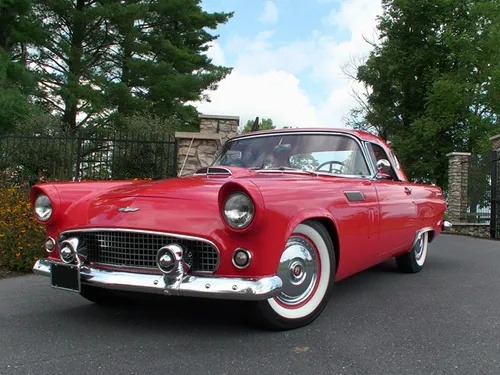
(105, 60)
(17, 31)
(432, 82)
(162, 64)
(69, 61)
(264, 124)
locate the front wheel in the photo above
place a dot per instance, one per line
(414, 260)
(307, 268)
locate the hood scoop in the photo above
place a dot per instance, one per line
(224, 172)
(208, 171)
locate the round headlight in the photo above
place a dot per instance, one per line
(239, 210)
(43, 208)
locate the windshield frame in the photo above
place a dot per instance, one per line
(362, 147)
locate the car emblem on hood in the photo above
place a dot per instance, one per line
(128, 209)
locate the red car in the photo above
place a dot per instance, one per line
(277, 219)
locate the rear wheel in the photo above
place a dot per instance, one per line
(414, 260)
(307, 269)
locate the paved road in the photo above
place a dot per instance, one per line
(445, 320)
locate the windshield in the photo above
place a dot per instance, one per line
(335, 154)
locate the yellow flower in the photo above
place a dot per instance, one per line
(18, 255)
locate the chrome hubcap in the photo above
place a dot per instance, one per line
(298, 269)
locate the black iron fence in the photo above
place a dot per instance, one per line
(495, 195)
(479, 189)
(28, 159)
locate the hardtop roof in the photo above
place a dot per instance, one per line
(362, 135)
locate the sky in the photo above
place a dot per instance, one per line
(287, 58)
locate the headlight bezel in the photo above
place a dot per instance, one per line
(48, 205)
(252, 210)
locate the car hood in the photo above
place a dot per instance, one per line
(176, 188)
(176, 202)
(181, 204)
(201, 186)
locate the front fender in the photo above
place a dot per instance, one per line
(310, 213)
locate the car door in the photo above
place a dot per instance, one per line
(397, 209)
(356, 213)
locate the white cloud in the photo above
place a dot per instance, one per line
(216, 53)
(270, 13)
(274, 94)
(264, 81)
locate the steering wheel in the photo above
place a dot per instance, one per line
(331, 163)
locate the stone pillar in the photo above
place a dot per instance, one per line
(225, 126)
(495, 142)
(458, 178)
(195, 151)
(198, 150)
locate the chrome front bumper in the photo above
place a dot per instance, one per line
(189, 286)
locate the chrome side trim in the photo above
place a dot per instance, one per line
(354, 196)
(189, 286)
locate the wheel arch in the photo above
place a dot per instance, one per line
(333, 232)
(326, 219)
(431, 234)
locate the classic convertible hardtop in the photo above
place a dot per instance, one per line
(376, 144)
(277, 219)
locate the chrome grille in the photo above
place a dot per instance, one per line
(138, 249)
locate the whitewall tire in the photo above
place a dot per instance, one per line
(307, 268)
(414, 260)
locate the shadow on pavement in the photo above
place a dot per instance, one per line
(171, 314)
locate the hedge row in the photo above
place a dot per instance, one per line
(21, 237)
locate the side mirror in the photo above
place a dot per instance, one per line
(383, 168)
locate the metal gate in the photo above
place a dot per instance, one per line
(28, 159)
(495, 196)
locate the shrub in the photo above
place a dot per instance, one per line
(21, 237)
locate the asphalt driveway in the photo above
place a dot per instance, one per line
(445, 320)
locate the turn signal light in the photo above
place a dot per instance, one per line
(241, 258)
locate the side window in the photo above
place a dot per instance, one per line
(379, 153)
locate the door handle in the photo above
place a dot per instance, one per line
(407, 190)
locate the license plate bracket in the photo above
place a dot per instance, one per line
(65, 276)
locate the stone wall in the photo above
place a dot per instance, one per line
(225, 126)
(474, 230)
(458, 176)
(198, 149)
(495, 142)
